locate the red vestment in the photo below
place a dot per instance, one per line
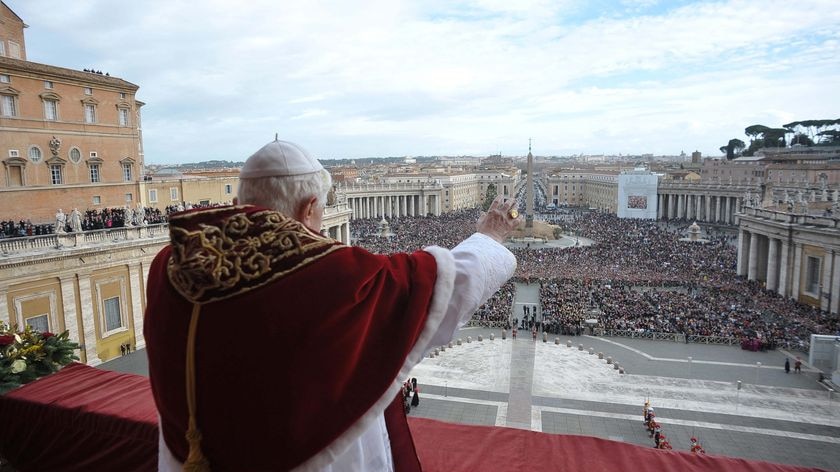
(299, 338)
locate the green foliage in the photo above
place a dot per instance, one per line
(733, 148)
(28, 354)
(489, 197)
(805, 132)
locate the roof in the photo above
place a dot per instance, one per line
(18, 65)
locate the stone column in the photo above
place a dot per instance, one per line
(135, 278)
(659, 206)
(4, 306)
(796, 283)
(672, 206)
(91, 356)
(724, 210)
(834, 306)
(772, 264)
(784, 262)
(680, 206)
(707, 213)
(68, 300)
(752, 271)
(825, 286)
(743, 252)
(717, 209)
(689, 210)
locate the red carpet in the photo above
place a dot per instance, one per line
(86, 419)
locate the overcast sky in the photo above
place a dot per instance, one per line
(449, 77)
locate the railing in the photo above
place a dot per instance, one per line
(659, 336)
(10, 246)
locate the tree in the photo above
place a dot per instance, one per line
(801, 139)
(733, 148)
(489, 197)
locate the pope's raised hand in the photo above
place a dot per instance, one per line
(500, 219)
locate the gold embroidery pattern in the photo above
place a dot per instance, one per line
(245, 252)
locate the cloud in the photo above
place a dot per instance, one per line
(451, 77)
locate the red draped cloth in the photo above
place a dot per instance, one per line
(86, 419)
(80, 419)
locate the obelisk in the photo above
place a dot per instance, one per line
(529, 194)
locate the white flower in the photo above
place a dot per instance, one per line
(18, 366)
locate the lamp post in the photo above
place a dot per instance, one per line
(737, 395)
(689, 366)
(757, 370)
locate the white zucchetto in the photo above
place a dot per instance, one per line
(279, 158)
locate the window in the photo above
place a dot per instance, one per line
(48, 85)
(55, 174)
(123, 116)
(153, 195)
(129, 197)
(75, 155)
(4, 79)
(113, 320)
(228, 189)
(14, 50)
(90, 113)
(88, 91)
(122, 95)
(173, 193)
(97, 200)
(126, 172)
(34, 154)
(50, 110)
(812, 276)
(94, 173)
(39, 323)
(8, 106)
(2, 48)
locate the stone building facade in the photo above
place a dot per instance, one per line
(794, 253)
(66, 136)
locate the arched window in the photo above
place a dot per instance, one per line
(35, 154)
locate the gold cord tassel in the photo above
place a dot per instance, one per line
(196, 462)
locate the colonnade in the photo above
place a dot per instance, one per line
(791, 268)
(340, 232)
(699, 207)
(387, 206)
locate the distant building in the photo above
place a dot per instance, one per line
(637, 194)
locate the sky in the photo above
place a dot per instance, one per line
(450, 77)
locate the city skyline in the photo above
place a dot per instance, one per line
(464, 78)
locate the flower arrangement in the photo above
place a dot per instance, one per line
(29, 354)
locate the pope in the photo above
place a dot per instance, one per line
(273, 347)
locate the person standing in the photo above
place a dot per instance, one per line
(787, 366)
(797, 366)
(324, 387)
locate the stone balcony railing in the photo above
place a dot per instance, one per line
(793, 218)
(374, 187)
(18, 246)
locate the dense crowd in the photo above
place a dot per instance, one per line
(639, 275)
(101, 218)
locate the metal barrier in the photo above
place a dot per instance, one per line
(659, 336)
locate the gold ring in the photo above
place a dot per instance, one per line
(513, 213)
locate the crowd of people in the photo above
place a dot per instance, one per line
(639, 276)
(97, 219)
